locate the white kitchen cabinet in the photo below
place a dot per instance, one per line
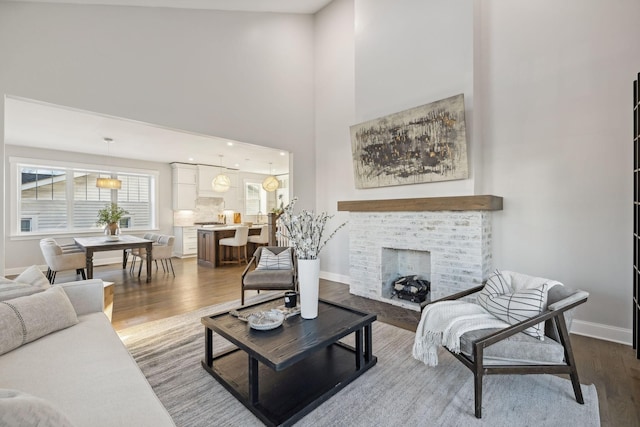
(186, 243)
(184, 186)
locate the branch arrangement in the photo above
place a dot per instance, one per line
(305, 230)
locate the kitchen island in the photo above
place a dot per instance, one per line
(209, 238)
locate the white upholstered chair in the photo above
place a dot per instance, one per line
(59, 259)
(162, 250)
(239, 241)
(135, 252)
(261, 239)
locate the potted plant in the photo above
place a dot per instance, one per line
(110, 216)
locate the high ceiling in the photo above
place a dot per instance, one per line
(282, 6)
(36, 124)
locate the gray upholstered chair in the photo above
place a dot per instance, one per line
(59, 259)
(271, 278)
(510, 351)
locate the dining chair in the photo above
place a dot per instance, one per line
(58, 259)
(135, 252)
(162, 250)
(239, 241)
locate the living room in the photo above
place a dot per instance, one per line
(547, 92)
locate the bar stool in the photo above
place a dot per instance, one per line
(239, 240)
(262, 239)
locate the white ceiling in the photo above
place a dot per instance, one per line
(40, 125)
(281, 6)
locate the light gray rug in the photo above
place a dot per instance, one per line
(398, 391)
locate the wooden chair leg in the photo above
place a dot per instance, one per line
(477, 380)
(171, 264)
(568, 357)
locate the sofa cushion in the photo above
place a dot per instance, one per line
(28, 282)
(28, 318)
(271, 261)
(499, 298)
(19, 409)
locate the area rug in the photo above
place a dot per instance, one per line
(398, 391)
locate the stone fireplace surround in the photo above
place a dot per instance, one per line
(446, 240)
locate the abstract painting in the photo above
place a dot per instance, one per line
(422, 144)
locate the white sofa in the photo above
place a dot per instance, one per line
(84, 371)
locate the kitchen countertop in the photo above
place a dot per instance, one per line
(227, 227)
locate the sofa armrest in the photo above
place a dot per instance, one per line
(86, 296)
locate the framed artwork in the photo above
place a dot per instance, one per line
(422, 144)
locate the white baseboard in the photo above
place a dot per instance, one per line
(578, 327)
(602, 332)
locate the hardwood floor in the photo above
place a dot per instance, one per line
(612, 367)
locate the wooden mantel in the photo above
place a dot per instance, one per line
(457, 203)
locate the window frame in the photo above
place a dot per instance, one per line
(16, 215)
(246, 183)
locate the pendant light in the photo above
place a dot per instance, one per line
(270, 183)
(221, 183)
(109, 183)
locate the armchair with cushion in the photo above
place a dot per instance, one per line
(275, 268)
(536, 314)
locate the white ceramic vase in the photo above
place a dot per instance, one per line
(309, 280)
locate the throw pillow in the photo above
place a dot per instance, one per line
(29, 282)
(21, 409)
(499, 299)
(271, 261)
(28, 318)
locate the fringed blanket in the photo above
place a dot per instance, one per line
(443, 323)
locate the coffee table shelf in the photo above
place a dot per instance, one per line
(283, 374)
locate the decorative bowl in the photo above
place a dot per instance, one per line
(113, 238)
(265, 320)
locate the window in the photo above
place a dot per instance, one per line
(52, 199)
(255, 199)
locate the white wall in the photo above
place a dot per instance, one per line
(244, 76)
(551, 83)
(335, 112)
(556, 107)
(375, 58)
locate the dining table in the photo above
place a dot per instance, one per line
(90, 245)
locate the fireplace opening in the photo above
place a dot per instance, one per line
(396, 263)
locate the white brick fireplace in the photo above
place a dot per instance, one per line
(444, 240)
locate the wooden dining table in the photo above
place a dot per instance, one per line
(101, 243)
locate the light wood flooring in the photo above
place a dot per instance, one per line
(613, 368)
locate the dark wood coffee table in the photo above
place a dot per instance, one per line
(283, 374)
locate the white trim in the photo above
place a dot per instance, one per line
(82, 167)
(602, 332)
(15, 161)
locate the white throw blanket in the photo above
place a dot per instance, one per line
(443, 323)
